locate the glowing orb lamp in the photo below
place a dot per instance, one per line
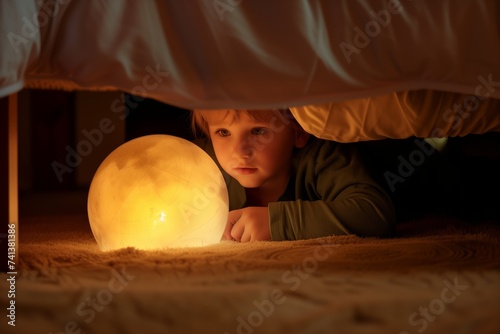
(157, 191)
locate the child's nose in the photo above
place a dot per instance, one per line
(244, 149)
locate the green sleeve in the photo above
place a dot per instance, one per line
(334, 195)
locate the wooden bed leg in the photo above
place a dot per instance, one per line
(9, 210)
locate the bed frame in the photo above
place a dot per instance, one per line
(8, 172)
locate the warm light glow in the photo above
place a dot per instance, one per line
(157, 191)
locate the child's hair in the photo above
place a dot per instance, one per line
(199, 122)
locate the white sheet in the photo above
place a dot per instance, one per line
(251, 54)
(422, 113)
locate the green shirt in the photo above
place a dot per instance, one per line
(329, 192)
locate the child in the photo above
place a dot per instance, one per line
(284, 184)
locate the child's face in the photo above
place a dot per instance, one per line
(255, 151)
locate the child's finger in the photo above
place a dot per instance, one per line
(246, 236)
(227, 232)
(232, 219)
(237, 231)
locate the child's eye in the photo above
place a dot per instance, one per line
(222, 132)
(259, 131)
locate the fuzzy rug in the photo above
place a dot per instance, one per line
(439, 275)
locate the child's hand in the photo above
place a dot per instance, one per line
(248, 224)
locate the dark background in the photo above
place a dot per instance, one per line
(463, 179)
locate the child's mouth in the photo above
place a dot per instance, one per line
(245, 170)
